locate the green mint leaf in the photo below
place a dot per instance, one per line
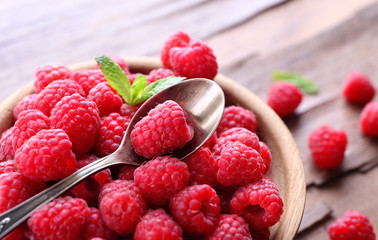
(156, 87)
(137, 89)
(116, 77)
(306, 85)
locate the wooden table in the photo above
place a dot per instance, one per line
(320, 39)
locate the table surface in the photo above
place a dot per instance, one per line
(319, 39)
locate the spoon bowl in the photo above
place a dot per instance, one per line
(203, 101)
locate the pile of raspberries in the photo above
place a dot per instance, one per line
(74, 118)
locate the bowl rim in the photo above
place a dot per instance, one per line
(296, 182)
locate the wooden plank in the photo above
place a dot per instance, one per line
(314, 215)
(326, 59)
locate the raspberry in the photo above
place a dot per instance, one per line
(327, 146)
(158, 74)
(159, 179)
(284, 98)
(127, 172)
(28, 124)
(127, 110)
(196, 208)
(266, 155)
(178, 39)
(202, 167)
(357, 88)
(120, 62)
(45, 75)
(164, 129)
(121, 204)
(233, 135)
(79, 118)
(353, 225)
(235, 116)
(46, 156)
(106, 98)
(6, 149)
(88, 79)
(63, 218)
(259, 203)
(211, 141)
(7, 167)
(27, 103)
(54, 92)
(230, 226)
(157, 224)
(369, 119)
(110, 134)
(14, 189)
(239, 164)
(90, 188)
(195, 60)
(95, 227)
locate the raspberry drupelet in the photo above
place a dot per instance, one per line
(196, 208)
(158, 225)
(235, 116)
(164, 129)
(44, 75)
(259, 203)
(353, 225)
(159, 179)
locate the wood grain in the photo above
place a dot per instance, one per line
(286, 168)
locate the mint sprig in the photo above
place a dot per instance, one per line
(306, 85)
(137, 92)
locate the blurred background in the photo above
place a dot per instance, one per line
(322, 40)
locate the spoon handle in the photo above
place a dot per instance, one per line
(12, 218)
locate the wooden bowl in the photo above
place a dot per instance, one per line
(286, 168)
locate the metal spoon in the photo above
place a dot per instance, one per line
(203, 101)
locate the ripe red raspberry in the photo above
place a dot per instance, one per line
(369, 119)
(178, 39)
(127, 110)
(158, 74)
(357, 88)
(239, 164)
(106, 98)
(126, 173)
(122, 205)
(90, 188)
(159, 179)
(63, 218)
(233, 135)
(14, 189)
(46, 156)
(195, 60)
(196, 208)
(353, 225)
(164, 129)
(110, 134)
(88, 79)
(7, 167)
(45, 75)
(235, 116)
(202, 167)
(27, 103)
(211, 141)
(95, 227)
(120, 62)
(6, 148)
(28, 124)
(230, 226)
(327, 146)
(54, 92)
(157, 224)
(266, 155)
(79, 118)
(284, 98)
(259, 203)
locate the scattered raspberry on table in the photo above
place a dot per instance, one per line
(369, 119)
(358, 88)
